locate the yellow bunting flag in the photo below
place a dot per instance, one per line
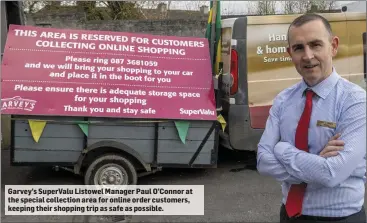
(222, 121)
(36, 127)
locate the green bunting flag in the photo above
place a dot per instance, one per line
(84, 127)
(182, 129)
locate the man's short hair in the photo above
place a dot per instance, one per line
(308, 17)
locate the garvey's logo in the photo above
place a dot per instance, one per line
(17, 103)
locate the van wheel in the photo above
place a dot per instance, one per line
(111, 169)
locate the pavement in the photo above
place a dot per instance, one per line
(232, 193)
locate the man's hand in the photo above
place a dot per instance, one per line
(332, 147)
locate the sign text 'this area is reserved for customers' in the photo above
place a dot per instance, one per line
(49, 71)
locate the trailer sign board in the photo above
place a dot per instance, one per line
(64, 72)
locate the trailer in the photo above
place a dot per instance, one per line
(115, 151)
(114, 125)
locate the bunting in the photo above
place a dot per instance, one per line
(213, 34)
(222, 122)
(37, 127)
(182, 129)
(209, 25)
(84, 127)
(218, 39)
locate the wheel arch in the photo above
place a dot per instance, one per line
(107, 147)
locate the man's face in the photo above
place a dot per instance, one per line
(312, 49)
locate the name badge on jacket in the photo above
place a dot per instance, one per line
(331, 125)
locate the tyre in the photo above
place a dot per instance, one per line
(111, 169)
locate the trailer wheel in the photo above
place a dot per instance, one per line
(111, 170)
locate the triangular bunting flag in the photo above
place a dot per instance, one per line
(36, 127)
(182, 128)
(84, 128)
(222, 122)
